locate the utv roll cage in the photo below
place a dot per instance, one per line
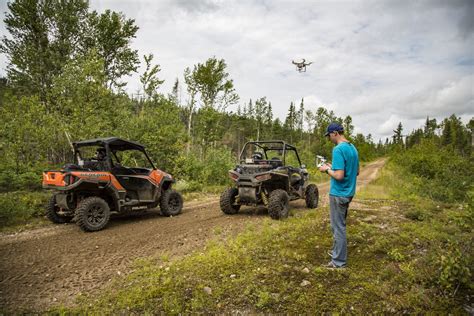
(111, 145)
(270, 145)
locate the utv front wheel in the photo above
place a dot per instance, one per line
(312, 196)
(171, 203)
(92, 213)
(227, 201)
(52, 212)
(278, 204)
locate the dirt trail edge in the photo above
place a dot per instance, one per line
(47, 266)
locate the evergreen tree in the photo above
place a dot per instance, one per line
(290, 121)
(430, 127)
(398, 136)
(261, 108)
(175, 93)
(300, 119)
(348, 127)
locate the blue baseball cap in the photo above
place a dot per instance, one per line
(334, 127)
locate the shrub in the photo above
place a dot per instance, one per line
(440, 173)
(20, 207)
(454, 268)
(211, 170)
(11, 181)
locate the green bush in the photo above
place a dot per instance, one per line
(454, 267)
(188, 186)
(439, 173)
(211, 170)
(20, 207)
(11, 181)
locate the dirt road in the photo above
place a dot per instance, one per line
(47, 266)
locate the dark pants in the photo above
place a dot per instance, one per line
(338, 206)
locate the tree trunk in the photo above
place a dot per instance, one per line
(190, 118)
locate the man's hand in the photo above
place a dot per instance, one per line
(325, 167)
(336, 174)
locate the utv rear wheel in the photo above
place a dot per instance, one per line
(93, 213)
(171, 203)
(227, 201)
(52, 212)
(312, 196)
(278, 204)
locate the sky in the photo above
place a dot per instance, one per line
(381, 62)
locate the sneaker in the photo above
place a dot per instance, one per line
(332, 265)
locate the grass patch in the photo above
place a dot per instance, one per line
(207, 191)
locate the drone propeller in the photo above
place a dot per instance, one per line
(299, 62)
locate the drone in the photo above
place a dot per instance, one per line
(301, 66)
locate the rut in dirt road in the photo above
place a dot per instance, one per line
(47, 266)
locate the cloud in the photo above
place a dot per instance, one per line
(442, 99)
(203, 6)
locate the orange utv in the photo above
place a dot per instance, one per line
(112, 175)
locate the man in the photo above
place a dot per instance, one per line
(343, 172)
(101, 163)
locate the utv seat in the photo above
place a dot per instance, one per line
(276, 162)
(72, 167)
(95, 165)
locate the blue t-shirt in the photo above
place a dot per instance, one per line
(345, 157)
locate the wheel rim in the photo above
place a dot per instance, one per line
(232, 200)
(282, 204)
(174, 203)
(96, 215)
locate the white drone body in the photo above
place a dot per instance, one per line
(301, 66)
